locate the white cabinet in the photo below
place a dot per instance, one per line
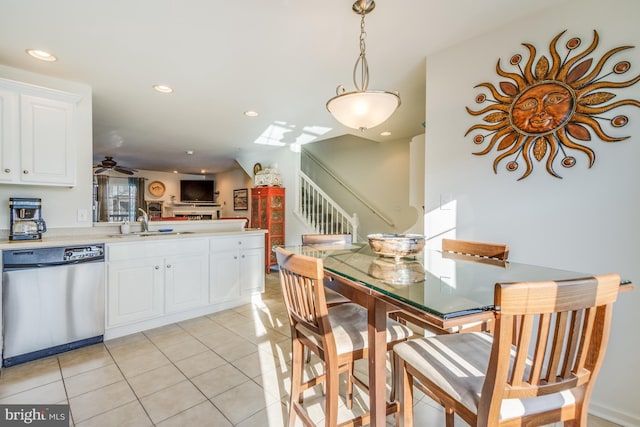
(37, 135)
(134, 291)
(9, 131)
(236, 266)
(150, 279)
(186, 281)
(151, 283)
(225, 280)
(251, 273)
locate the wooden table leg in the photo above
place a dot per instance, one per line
(377, 361)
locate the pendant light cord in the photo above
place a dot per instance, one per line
(361, 62)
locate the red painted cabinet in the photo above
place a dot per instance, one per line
(267, 213)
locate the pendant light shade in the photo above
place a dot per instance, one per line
(362, 109)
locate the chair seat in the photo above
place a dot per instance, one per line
(350, 329)
(333, 298)
(457, 364)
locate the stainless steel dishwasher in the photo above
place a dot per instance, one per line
(52, 300)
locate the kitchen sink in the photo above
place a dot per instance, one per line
(162, 233)
(152, 233)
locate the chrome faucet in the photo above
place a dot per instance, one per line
(144, 219)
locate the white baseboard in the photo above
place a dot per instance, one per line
(144, 325)
(614, 415)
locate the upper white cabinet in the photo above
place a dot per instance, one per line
(9, 131)
(37, 135)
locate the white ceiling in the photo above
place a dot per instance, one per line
(282, 58)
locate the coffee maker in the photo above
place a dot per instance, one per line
(26, 219)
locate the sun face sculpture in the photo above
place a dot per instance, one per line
(550, 109)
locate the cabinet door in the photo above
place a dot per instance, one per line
(8, 136)
(186, 281)
(251, 270)
(47, 141)
(225, 280)
(258, 209)
(135, 290)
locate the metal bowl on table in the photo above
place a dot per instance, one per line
(396, 245)
(392, 272)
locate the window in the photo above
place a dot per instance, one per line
(119, 198)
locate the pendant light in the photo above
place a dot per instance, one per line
(362, 109)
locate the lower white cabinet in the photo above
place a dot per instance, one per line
(186, 281)
(135, 291)
(156, 282)
(236, 266)
(149, 279)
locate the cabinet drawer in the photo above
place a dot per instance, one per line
(237, 242)
(126, 251)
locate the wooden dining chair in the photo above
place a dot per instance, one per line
(338, 335)
(481, 250)
(497, 251)
(336, 240)
(327, 239)
(538, 368)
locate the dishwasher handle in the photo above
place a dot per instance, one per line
(13, 267)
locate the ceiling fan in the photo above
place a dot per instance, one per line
(109, 164)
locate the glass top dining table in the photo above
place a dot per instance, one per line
(445, 285)
(443, 289)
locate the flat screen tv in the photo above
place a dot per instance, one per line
(197, 191)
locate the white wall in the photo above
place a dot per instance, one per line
(586, 221)
(59, 204)
(287, 161)
(228, 181)
(377, 171)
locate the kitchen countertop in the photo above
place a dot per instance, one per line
(111, 234)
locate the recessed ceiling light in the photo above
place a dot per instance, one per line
(385, 133)
(163, 88)
(251, 113)
(175, 171)
(41, 55)
(189, 152)
(202, 171)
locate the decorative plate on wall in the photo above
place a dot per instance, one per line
(156, 188)
(257, 168)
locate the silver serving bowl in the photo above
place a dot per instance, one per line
(392, 272)
(396, 245)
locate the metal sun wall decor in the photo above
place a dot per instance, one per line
(548, 108)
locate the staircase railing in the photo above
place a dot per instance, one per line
(348, 189)
(320, 212)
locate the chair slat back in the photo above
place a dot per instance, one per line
(481, 249)
(327, 239)
(301, 280)
(548, 337)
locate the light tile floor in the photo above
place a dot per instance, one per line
(226, 369)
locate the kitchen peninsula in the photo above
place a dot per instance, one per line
(175, 271)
